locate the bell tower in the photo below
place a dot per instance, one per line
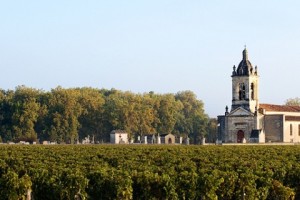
(245, 85)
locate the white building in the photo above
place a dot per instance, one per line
(118, 137)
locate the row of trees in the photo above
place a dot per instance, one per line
(66, 115)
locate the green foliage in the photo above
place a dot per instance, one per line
(109, 184)
(212, 130)
(149, 172)
(192, 120)
(281, 192)
(14, 186)
(91, 119)
(69, 115)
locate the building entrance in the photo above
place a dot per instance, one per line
(240, 136)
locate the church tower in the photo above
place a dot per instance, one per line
(245, 85)
(249, 121)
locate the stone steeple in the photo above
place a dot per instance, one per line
(245, 85)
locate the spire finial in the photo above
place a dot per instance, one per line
(245, 54)
(226, 110)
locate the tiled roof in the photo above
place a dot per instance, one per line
(279, 108)
(118, 131)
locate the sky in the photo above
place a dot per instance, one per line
(165, 46)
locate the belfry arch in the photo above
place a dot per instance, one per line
(252, 88)
(242, 91)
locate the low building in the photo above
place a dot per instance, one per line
(167, 139)
(281, 123)
(118, 137)
(45, 142)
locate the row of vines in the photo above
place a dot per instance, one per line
(149, 172)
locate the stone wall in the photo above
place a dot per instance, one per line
(236, 123)
(294, 135)
(273, 126)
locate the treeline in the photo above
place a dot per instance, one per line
(67, 115)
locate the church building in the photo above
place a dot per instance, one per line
(249, 121)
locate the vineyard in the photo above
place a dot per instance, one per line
(149, 172)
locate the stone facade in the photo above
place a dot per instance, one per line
(274, 126)
(250, 121)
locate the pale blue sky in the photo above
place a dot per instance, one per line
(163, 46)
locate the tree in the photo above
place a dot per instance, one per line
(64, 112)
(114, 111)
(25, 113)
(146, 114)
(168, 113)
(42, 120)
(131, 112)
(199, 128)
(6, 112)
(212, 130)
(91, 119)
(293, 101)
(192, 119)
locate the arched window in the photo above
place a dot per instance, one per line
(252, 91)
(242, 91)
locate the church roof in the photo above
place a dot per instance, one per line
(240, 111)
(245, 66)
(279, 108)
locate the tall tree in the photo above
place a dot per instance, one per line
(6, 112)
(212, 130)
(193, 120)
(64, 112)
(42, 120)
(146, 114)
(293, 101)
(114, 110)
(25, 113)
(91, 118)
(168, 112)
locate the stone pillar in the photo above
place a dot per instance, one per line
(28, 194)
(180, 140)
(187, 141)
(139, 139)
(203, 141)
(158, 139)
(261, 137)
(244, 140)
